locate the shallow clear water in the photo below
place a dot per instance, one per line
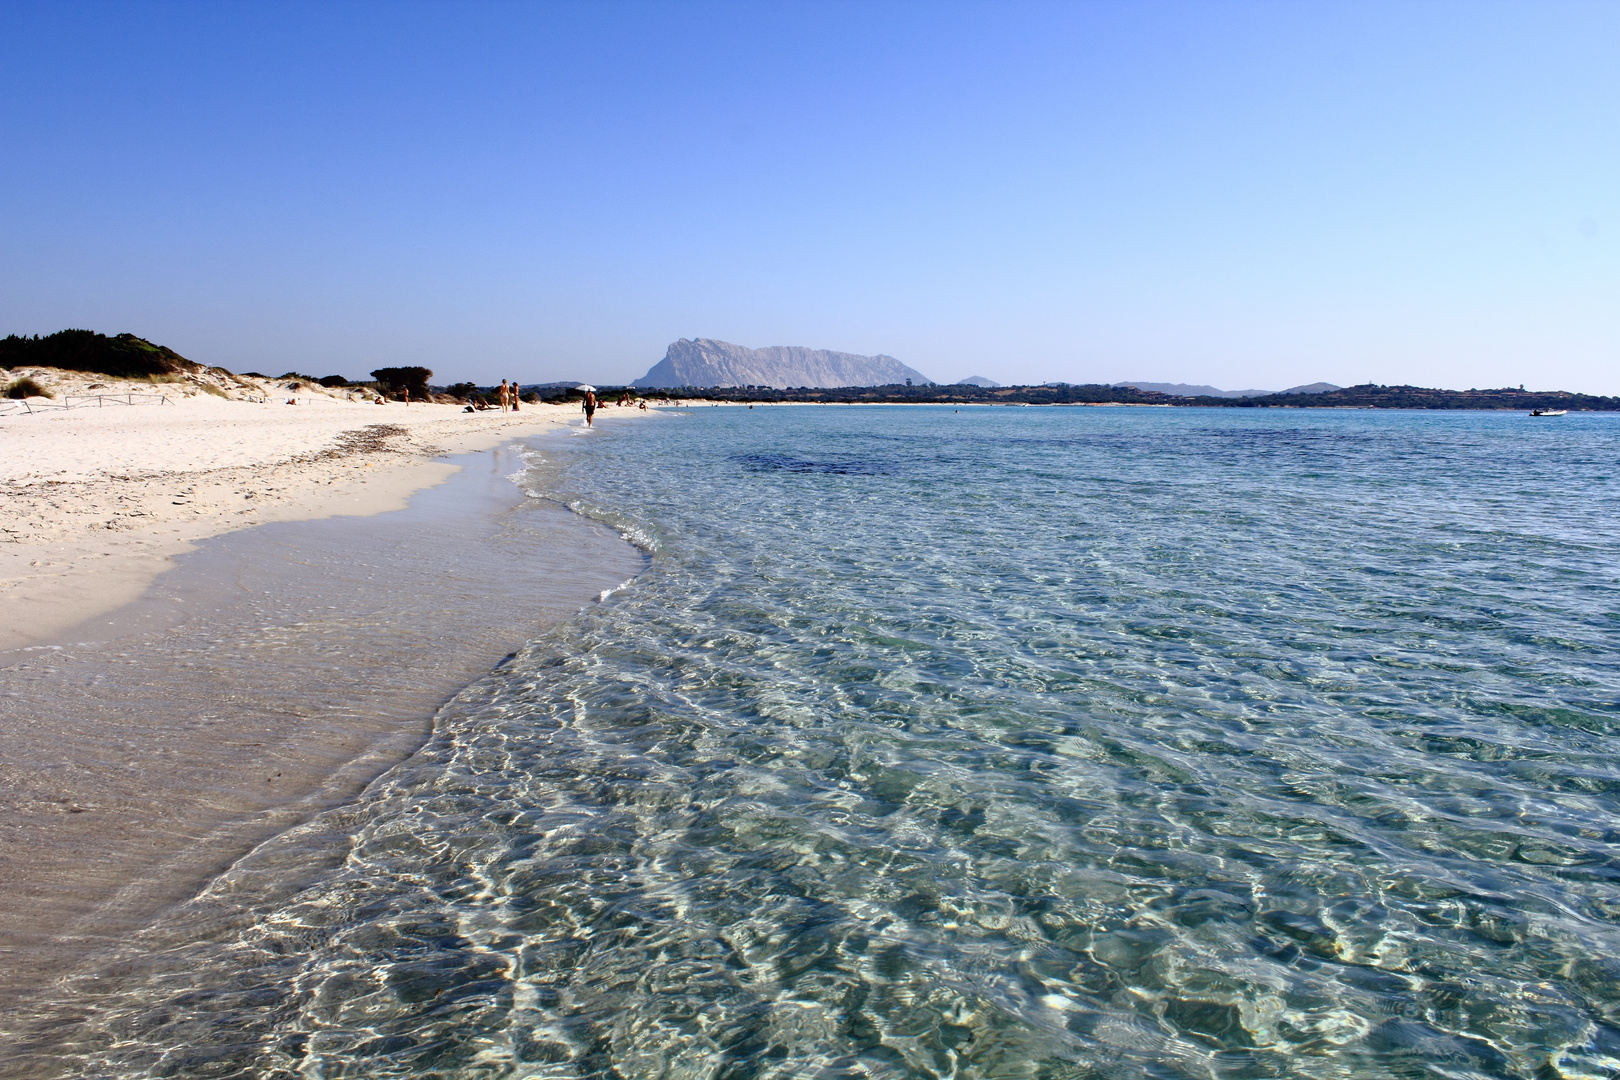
(1007, 742)
(269, 674)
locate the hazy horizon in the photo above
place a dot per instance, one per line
(1232, 194)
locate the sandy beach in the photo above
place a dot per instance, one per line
(98, 499)
(178, 687)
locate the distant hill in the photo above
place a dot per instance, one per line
(978, 380)
(704, 362)
(123, 356)
(1371, 396)
(1180, 389)
(1191, 390)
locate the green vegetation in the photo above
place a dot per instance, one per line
(124, 356)
(399, 380)
(461, 391)
(26, 387)
(333, 381)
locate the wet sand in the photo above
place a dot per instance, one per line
(272, 673)
(97, 501)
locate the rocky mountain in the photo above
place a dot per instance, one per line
(705, 362)
(1192, 390)
(978, 380)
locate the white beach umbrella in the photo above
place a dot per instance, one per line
(586, 386)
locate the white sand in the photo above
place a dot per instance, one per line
(94, 501)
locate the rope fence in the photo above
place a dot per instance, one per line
(22, 406)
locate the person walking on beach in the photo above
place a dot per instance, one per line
(505, 396)
(590, 406)
(515, 395)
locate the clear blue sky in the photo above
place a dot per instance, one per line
(1243, 194)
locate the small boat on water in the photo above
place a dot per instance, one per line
(1549, 412)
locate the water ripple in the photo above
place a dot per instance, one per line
(1073, 743)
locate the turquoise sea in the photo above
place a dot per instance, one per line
(1000, 742)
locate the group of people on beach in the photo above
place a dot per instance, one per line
(507, 394)
(590, 404)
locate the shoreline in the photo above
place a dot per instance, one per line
(273, 673)
(99, 502)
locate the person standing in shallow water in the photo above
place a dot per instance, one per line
(590, 406)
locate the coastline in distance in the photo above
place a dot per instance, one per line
(1196, 390)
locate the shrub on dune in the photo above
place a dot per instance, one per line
(26, 388)
(125, 356)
